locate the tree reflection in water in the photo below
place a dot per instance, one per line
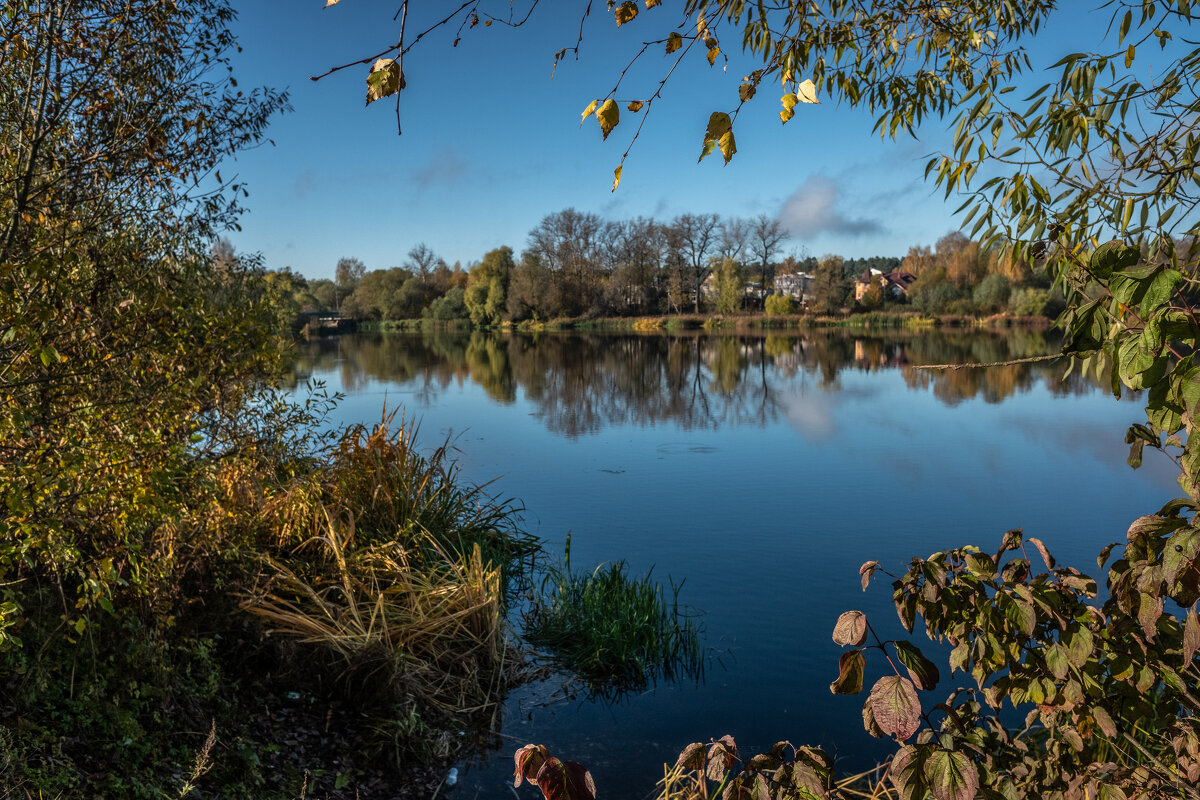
(580, 384)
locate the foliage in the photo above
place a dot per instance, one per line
(992, 293)
(779, 305)
(557, 780)
(487, 288)
(731, 285)
(830, 289)
(124, 343)
(614, 631)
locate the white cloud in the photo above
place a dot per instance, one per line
(813, 209)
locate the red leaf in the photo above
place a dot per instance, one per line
(565, 780)
(529, 760)
(895, 706)
(866, 571)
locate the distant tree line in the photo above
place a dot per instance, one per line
(579, 265)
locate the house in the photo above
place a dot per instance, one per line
(894, 283)
(793, 284)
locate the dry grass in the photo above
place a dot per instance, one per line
(392, 618)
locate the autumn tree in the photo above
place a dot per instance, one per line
(127, 337)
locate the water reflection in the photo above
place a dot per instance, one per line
(580, 384)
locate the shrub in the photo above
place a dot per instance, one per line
(779, 305)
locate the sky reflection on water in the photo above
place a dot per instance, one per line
(764, 471)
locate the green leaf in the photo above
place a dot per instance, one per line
(1112, 257)
(895, 705)
(1021, 615)
(951, 776)
(981, 566)
(1057, 661)
(1137, 369)
(850, 673)
(923, 672)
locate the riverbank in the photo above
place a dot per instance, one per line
(719, 322)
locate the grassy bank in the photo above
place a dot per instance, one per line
(318, 623)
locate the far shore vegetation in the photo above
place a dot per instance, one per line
(579, 271)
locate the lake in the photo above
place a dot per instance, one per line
(762, 470)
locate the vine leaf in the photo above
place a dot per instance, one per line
(951, 776)
(895, 706)
(384, 80)
(851, 629)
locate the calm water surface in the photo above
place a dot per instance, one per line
(763, 470)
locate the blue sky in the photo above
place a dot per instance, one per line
(492, 142)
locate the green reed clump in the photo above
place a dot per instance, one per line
(614, 630)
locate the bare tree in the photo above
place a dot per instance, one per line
(732, 240)
(421, 261)
(696, 235)
(766, 234)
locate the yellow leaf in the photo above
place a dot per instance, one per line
(617, 177)
(329, 3)
(785, 115)
(652, 3)
(728, 148)
(384, 80)
(587, 112)
(636, 105)
(608, 115)
(719, 124)
(746, 91)
(712, 55)
(807, 92)
(674, 42)
(789, 100)
(626, 12)
(1129, 56)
